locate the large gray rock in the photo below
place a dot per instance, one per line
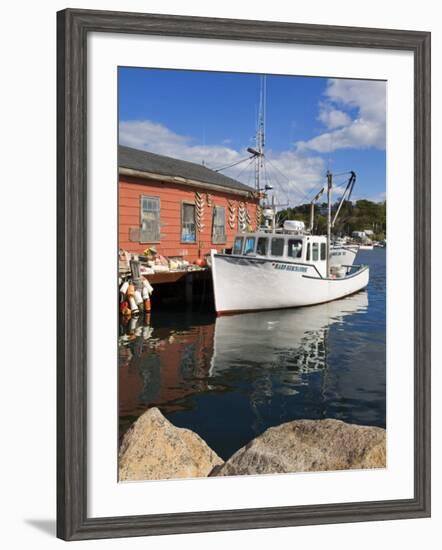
(153, 448)
(307, 446)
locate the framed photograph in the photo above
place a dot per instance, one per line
(243, 274)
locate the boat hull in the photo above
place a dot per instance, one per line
(247, 284)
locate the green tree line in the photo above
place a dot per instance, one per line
(354, 216)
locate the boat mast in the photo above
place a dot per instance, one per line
(260, 135)
(258, 151)
(329, 187)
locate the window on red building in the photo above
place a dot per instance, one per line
(219, 225)
(150, 220)
(188, 225)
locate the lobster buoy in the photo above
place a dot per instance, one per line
(147, 306)
(124, 287)
(132, 326)
(126, 312)
(145, 292)
(201, 262)
(130, 290)
(138, 298)
(147, 286)
(123, 306)
(125, 320)
(133, 305)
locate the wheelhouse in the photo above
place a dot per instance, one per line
(306, 249)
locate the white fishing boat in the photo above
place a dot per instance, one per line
(270, 271)
(286, 267)
(366, 246)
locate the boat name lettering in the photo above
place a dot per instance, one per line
(290, 267)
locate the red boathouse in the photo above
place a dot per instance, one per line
(180, 208)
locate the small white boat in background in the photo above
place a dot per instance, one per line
(343, 254)
(366, 247)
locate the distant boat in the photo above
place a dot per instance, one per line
(366, 247)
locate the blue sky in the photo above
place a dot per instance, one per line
(312, 124)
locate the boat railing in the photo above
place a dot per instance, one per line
(355, 267)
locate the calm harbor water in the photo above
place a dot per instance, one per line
(230, 378)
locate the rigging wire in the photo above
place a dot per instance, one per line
(243, 169)
(288, 180)
(250, 173)
(232, 165)
(342, 173)
(284, 188)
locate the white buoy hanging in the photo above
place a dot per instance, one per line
(124, 287)
(145, 293)
(133, 305)
(138, 297)
(232, 214)
(242, 216)
(199, 211)
(147, 286)
(258, 215)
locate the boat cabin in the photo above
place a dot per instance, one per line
(302, 249)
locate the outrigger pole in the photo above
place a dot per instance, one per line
(329, 188)
(312, 208)
(349, 190)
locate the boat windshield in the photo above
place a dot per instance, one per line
(262, 246)
(237, 246)
(277, 248)
(249, 247)
(294, 249)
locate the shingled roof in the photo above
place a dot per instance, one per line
(144, 161)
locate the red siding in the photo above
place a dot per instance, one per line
(171, 197)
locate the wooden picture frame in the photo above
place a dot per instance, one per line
(73, 28)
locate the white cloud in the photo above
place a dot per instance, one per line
(295, 176)
(366, 130)
(154, 137)
(333, 118)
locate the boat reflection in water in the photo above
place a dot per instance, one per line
(281, 338)
(230, 378)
